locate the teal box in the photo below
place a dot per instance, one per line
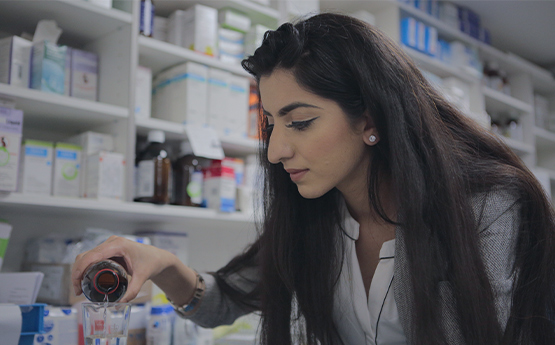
(48, 67)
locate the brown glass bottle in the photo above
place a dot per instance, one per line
(188, 178)
(105, 281)
(153, 171)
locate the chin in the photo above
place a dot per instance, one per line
(310, 193)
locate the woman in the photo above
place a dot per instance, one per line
(389, 217)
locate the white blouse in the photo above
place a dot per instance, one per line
(373, 320)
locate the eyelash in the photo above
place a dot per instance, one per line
(296, 125)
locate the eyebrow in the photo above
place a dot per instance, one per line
(290, 107)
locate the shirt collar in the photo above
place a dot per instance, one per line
(350, 225)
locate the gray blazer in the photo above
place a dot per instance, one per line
(498, 218)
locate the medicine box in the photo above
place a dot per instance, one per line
(84, 75)
(218, 99)
(200, 25)
(67, 78)
(35, 175)
(11, 125)
(180, 94)
(48, 67)
(238, 112)
(143, 92)
(67, 170)
(234, 20)
(60, 327)
(219, 187)
(15, 61)
(5, 232)
(90, 143)
(254, 38)
(105, 175)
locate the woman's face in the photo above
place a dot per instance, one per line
(313, 138)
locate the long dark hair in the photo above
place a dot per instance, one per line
(437, 160)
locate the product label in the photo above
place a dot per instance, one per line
(145, 179)
(194, 188)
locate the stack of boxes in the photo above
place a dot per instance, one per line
(83, 166)
(48, 67)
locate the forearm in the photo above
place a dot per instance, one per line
(176, 280)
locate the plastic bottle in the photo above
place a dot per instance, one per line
(159, 329)
(188, 177)
(153, 171)
(104, 281)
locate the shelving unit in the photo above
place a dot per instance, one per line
(159, 55)
(113, 35)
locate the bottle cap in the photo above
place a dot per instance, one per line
(156, 136)
(186, 148)
(161, 309)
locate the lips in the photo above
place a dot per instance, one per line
(296, 174)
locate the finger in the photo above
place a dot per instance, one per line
(135, 285)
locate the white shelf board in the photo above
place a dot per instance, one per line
(133, 212)
(258, 13)
(81, 21)
(50, 110)
(158, 55)
(175, 131)
(545, 140)
(518, 146)
(497, 102)
(437, 67)
(350, 6)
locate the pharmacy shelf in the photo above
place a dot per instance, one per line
(158, 55)
(258, 13)
(519, 147)
(542, 79)
(81, 21)
(233, 146)
(437, 67)
(545, 140)
(498, 102)
(132, 212)
(42, 109)
(351, 6)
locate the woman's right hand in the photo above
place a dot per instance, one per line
(141, 261)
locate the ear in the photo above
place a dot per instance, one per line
(370, 132)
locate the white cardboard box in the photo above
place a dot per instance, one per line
(239, 88)
(105, 176)
(143, 92)
(84, 74)
(67, 170)
(15, 61)
(218, 99)
(11, 125)
(201, 29)
(90, 143)
(35, 176)
(180, 94)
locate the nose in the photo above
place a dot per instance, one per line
(279, 148)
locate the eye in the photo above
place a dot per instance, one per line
(301, 125)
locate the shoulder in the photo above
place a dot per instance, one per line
(488, 207)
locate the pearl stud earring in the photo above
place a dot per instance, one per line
(372, 138)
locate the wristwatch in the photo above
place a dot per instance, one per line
(191, 307)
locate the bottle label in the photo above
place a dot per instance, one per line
(145, 179)
(194, 188)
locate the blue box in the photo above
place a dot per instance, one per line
(32, 322)
(48, 67)
(409, 34)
